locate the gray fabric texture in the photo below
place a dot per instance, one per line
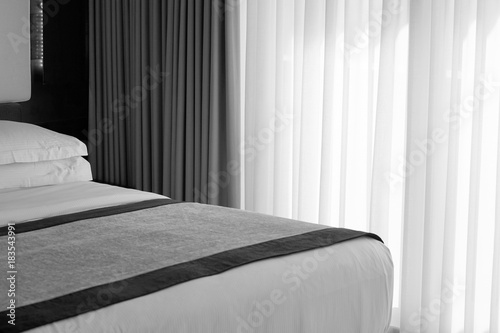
(157, 105)
(59, 260)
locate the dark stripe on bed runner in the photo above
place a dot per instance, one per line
(46, 312)
(89, 214)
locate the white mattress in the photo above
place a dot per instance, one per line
(346, 287)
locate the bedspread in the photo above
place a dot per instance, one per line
(73, 264)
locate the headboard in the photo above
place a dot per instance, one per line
(15, 65)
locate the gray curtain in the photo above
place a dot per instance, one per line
(157, 117)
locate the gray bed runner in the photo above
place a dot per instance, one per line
(137, 252)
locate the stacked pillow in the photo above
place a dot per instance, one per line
(34, 156)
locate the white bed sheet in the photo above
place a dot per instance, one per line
(25, 204)
(344, 288)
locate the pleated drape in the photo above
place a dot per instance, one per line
(157, 96)
(383, 115)
(450, 280)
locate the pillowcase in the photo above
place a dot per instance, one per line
(24, 143)
(43, 173)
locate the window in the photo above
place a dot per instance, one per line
(36, 19)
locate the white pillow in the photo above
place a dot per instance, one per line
(43, 173)
(22, 142)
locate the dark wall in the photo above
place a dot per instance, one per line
(60, 101)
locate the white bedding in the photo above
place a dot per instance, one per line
(346, 287)
(25, 204)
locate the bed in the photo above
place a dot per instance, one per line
(91, 257)
(80, 256)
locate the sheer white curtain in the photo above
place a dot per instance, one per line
(383, 116)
